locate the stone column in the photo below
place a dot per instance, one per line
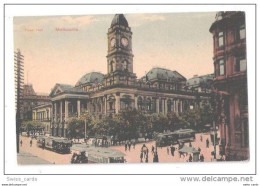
(181, 104)
(177, 106)
(163, 106)
(55, 111)
(78, 107)
(117, 103)
(157, 105)
(61, 111)
(105, 105)
(166, 106)
(66, 110)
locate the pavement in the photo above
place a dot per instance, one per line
(29, 159)
(48, 155)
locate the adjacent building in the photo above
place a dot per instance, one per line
(230, 83)
(43, 114)
(30, 99)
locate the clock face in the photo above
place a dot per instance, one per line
(113, 42)
(124, 41)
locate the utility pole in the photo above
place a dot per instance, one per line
(18, 68)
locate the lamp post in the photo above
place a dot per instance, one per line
(85, 128)
(214, 128)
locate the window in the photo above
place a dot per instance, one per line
(125, 65)
(220, 39)
(241, 64)
(221, 67)
(110, 105)
(242, 32)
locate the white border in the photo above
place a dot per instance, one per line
(11, 166)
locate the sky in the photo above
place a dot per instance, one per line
(176, 41)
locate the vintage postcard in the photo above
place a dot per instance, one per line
(131, 88)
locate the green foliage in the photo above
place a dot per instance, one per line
(32, 125)
(76, 128)
(129, 124)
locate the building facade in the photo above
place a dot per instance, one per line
(230, 83)
(43, 114)
(200, 83)
(30, 99)
(159, 91)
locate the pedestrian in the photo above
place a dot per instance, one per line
(31, 143)
(168, 151)
(190, 158)
(43, 144)
(141, 157)
(125, 146)
(147, 151)
(21, 143)
(199, 150)
(146, 159)
(201, 158)
(173, 150)
(129, 145)
(155, 157)
(201, 138)
(207, 143)
(152, 149)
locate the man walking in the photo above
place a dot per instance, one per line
(125, 146)
(207, 143)
(31, 143)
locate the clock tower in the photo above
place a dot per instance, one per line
(119, 55)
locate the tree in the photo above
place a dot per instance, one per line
(32, 127)
(76, 128)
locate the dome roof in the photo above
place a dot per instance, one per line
(198, 80)
(161, 73)
(119, 19)
(92, 77)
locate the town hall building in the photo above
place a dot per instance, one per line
(158, 91)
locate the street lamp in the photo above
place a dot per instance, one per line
(214, 130)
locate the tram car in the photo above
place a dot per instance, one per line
(56, 144)
(178, 136)
(88, 154)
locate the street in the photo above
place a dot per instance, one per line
(132, 156)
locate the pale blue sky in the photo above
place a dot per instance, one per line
(177, 41)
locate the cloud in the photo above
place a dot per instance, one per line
(141, 19)
(21, 23)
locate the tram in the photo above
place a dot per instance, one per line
(178, 136)
(96, 154)
(60, 145)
